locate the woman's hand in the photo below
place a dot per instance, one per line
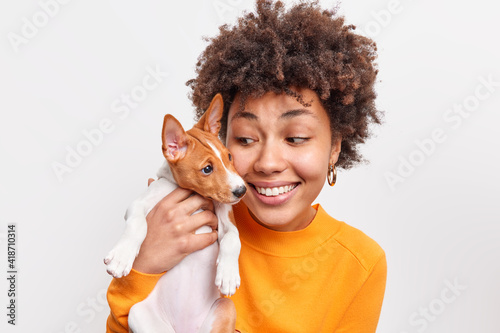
(171, 231)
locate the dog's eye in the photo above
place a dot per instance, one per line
(230, 157)
(207, 170)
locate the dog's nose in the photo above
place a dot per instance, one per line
(240, 191)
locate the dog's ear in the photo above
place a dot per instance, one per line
(174, 138)
(210, 121)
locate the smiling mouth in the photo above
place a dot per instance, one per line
(274, 191)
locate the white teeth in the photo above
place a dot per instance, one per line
(274, 191)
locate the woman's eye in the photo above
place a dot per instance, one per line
(296, 140)
(245, 141)
(207, 170)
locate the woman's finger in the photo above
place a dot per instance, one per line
(200, 241)
(196, 202)
(200, 219)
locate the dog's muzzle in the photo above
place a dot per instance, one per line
(240, 191)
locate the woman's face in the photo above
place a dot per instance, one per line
(282, 150)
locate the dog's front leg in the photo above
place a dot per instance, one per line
(120, 259)
(228, 276)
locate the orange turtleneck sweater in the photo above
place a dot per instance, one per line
(328, 277)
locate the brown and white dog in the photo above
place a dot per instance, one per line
(186, 299)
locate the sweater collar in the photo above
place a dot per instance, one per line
(285, 244)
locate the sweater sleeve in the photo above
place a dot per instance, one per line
(363, 313)
(123, 293)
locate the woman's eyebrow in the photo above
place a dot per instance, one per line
(285, 115)
(295, 113)
(245, 115)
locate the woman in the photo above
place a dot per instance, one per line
(299, 98)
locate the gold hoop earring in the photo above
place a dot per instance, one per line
(331, 176)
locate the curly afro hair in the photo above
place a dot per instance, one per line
(276, 49)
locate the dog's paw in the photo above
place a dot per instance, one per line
(120, 259)
(227, 278)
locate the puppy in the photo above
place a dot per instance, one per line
(187, 298)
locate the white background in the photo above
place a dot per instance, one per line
(438, 223)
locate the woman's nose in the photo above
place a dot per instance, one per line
(270, 159)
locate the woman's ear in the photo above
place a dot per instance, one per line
(335, 152)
